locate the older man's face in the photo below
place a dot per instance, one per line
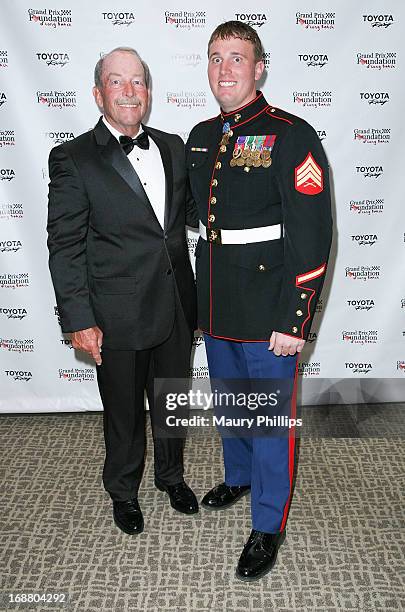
(123, 97)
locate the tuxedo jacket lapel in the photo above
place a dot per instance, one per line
(113, 154)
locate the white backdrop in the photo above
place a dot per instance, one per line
(337, 64)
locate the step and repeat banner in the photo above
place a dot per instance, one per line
(340, 65)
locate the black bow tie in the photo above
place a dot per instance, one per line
(128, 143)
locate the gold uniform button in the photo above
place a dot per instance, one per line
(214, 182)
(299, 313)
(303, 296)
(262, 268)
(237, 117)
(295, 329)
(211, 218)
(230, 133)
(246, 169)
(213, 200)
(222, 148)
(218, 165)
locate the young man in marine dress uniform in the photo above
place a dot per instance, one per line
(260, 179)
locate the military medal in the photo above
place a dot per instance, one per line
(266, 151)
(258, 143)
(256, 158)
(252, 143)
(238, 152)
(266, 159)
(252, 151)
(226, 134)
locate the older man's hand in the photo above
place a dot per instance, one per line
(90, 341)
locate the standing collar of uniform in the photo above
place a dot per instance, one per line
(247, 112)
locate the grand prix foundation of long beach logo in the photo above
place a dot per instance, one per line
(53, 18)
(311, 20)
(57, 99)
(186, 19)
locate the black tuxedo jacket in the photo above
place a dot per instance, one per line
(112, 264)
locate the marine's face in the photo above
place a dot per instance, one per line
(123, 97)
(233, 72)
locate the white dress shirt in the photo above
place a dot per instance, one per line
(148, 165)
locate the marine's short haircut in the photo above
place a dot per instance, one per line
(237, 29)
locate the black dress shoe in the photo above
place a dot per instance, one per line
(181, 496)
(128, 516)
(222, 496)
(259, 555)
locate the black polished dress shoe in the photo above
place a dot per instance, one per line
(222, 496)
(181, 496)
(128, 516)
(259, 555)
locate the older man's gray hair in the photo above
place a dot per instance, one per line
(98, 70)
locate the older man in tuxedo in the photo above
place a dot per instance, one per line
(122, 277)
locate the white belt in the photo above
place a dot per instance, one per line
(240, 236)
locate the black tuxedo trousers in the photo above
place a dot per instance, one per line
(124, 414)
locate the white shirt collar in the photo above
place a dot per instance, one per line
(116, 133)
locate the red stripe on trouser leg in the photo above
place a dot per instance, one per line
(291, 448)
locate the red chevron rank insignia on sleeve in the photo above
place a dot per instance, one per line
(309, 177)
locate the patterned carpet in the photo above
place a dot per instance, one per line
(344, 548)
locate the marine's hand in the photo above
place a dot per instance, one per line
(282, 344)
